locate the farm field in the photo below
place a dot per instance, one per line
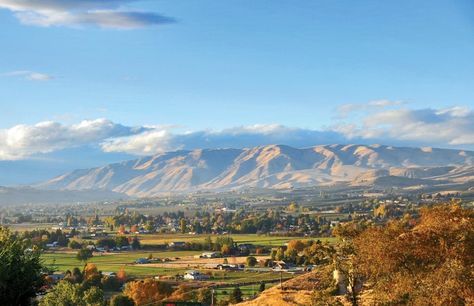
(180, 261)
(247, 291)
(22, 227)
(62, 261)
(262, 240)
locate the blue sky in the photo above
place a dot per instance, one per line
(232, 66)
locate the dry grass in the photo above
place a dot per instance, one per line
(296, 292)
(276, 296)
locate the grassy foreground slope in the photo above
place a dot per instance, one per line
(294, 292)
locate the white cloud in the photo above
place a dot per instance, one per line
(163, 139)
(23, 141)
(442, 127)
(146, 143)
(450, 127)
(30, 75)
(343, 111)
(74, 13)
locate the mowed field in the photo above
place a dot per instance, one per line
(260, 240)
(113, 262)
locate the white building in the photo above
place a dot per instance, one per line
(195, 275)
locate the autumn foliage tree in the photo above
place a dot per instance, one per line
(122, 275)
(296, 245)
(92, 276)
(90, 271)
(427, 261)
(147, 291)
(182, 293)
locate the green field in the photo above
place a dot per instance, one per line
(247, 291)
(262, 240)
(66, 260)
(63, 261)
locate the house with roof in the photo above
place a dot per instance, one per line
(280, 266)
(211, 255)
(195, 275)
(176, 244)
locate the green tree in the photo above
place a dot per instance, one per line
(261, 288)
(68, 294)
(280, 254)
(77, 275)
(135, 243)
(110, 283)
(20, 270)
(84, 255)
(75, 245)
(121, 241)
(182, 225)
(121, 300)
(251, 261)
(94, 297)
(64, 294)
(106, 243)
(204, 295)
(207, 243)
(236, 296)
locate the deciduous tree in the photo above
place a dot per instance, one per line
(147, 291)
(20, 270)
(121, 300)
(84, 255)
(68, 294)
(426, 262)
(251, 261)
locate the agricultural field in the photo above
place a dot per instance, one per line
(180, 261)
(248, 291)
(63, 260)
(22, 227)
(261, 240)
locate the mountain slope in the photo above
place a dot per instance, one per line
(273, 166)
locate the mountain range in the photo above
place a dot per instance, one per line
(275, 167)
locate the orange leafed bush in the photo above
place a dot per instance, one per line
(147, 291)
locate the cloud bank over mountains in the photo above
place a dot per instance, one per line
(440, 127)
(114, 14)
(450, 127)
(24, 141)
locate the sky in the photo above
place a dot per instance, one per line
(83, 83)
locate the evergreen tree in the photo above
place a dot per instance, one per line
(236, 296)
